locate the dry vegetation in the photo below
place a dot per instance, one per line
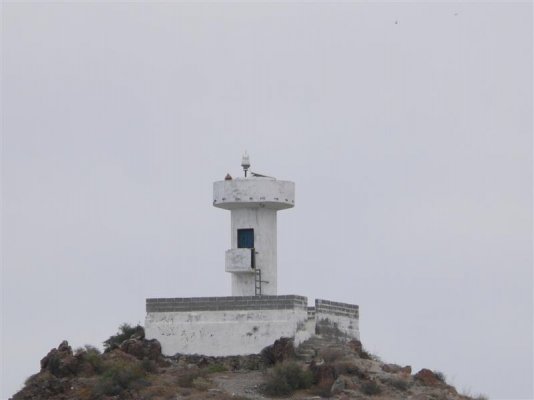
(133, 368)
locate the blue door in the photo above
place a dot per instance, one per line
(245, 238)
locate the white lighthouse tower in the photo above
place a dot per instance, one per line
(254, 316)
(253, 201)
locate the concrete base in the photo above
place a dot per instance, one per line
(239, 325)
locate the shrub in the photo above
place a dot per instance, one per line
(158, 392)
(214, 368)
(105, 387)
(371, 388)
(369, 356)
(186, 378)
(31, 379)
(323, 388)
(399, 384)
(348, 368)
(92, 356)
(467, 393)
(440, 376)
(287, 377)
(201, 383)
(39, 378)
(365, 355)
(331, 355)
(118, 377)
(54, 365)
(91, 349)
(149, 366)
(125, 332)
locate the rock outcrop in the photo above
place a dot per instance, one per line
(60, 361)
(134, 368)
(141, 348)
(281, 350)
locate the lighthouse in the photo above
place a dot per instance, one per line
(253, 201)
(255, 315)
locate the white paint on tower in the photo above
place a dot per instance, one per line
(253, 202)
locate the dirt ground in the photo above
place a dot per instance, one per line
(240, 384)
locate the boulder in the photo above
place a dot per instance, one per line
(43, 385)
(60, 362)
(428, 378)
(407, 370)
(323, 373)
(397, 369)
(340, 384)
(64, 347)
(140, 348)
(281, 350)
(119, 356)
(391, 368)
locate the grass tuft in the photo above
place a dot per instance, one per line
(371, 388)
(287, 377)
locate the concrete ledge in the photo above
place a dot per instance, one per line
(336, 308)
(286, 302)
(239, 261)
(254, 193)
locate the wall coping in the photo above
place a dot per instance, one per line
(333, 307)
(236, 303)
(186, 304)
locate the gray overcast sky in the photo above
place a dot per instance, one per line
(407, 128)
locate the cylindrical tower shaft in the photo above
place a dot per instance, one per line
(253, 202)
(255, 227)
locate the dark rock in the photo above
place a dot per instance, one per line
(119, 356)
(60, 362)
(203, 362)
(428, 378)
(338, 386)
(407, 370)
(43, 386)
(139, 335)
(281, 350)
(323, 373)
(391, 368)
(232, 363)
(141, 349)
(355, 345)
(64, 347)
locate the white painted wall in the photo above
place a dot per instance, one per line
(254, 192)
(223, 333)
(239, 261)
(263, 221)
(253, 203)
(348, 326)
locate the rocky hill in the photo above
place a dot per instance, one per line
(132, 367)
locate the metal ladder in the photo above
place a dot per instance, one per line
(257, 282)
(257, 273)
